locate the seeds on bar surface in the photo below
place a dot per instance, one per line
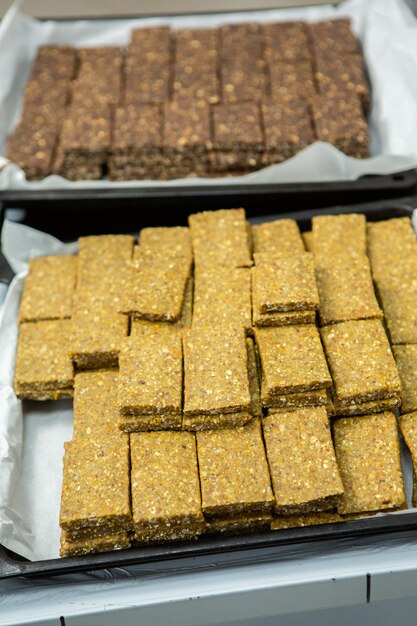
(159, 274)
(368, 455)
(234, 472)
(361, 362)
(335, 234)
(346, 290)
(139, 423)
(222, 296)
(238, 524)
(281, 283)
(150, 374)
(95, 403)
(281, 236)
(220, 238)
(208, 421)
(49, 289)
(336, 409)
(44, 370)
(165, 486)
(398, 298)
(388, 242)
(215, 371)
(292, 360)
(406, 359)
(95, 488)
(281, 522)
(254, 381)
(302, 461)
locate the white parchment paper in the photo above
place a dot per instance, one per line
(388, 31)
(32, 434)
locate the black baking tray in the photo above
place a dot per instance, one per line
(211, 551)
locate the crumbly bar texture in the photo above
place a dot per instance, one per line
(243, 75)
(368, 455)
(222, 296)
(136, 148)
(282, 284)
(388, 241)
(187, 139)
(150, 375)
(95, 403)
(98, 328)
(96, 487)
(302, 461)
(238, 524)
(49, 289)
(183, 322)
(99, 77)
(215, 371)
(406, 360)
(32, 149)
(277, 236)
(337, 409)
(238, 140)
(284, 318)
(301, 399)
(340, 121)
(289, 79)
(346, 290)
(333, 234)
(43, 369)
(149, 59)
(286, 41)
(148, 423)
(398, 302)
(216, 421)
(408, 427)
(288, 127)
(195, 75)
(337, 75)
(166, 499)
(361, 362)
(104, 543)
(234, 473)
(282, 522)
(54, 63)
(159, 274)
(220, 238)
(292, 360)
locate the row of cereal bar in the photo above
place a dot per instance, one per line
(205, 102)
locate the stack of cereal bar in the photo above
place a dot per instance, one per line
(227, 378)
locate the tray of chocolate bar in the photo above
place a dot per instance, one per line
(229, 386)
(206, 103)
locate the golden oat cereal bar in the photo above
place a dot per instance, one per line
(234, 473)
(95, 403)
(215, 371)
(216, 421)
(254, 381)
(281, 283)
(222, 296)
(398, 298)
(104, 543)
(284, 318)
(281, 236)
(368, 455)
(166, 499)
(406, 359)
(335, 409)
(159, 274)
(96, 486)
(150, 374)
(336, 234)
(392, 249)
(346, 290)
(220, 238)
(44, 370)
(302, 461)
(292, 360)
(49, 289)
(361, 362)
(103, 263)
(144, 423)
